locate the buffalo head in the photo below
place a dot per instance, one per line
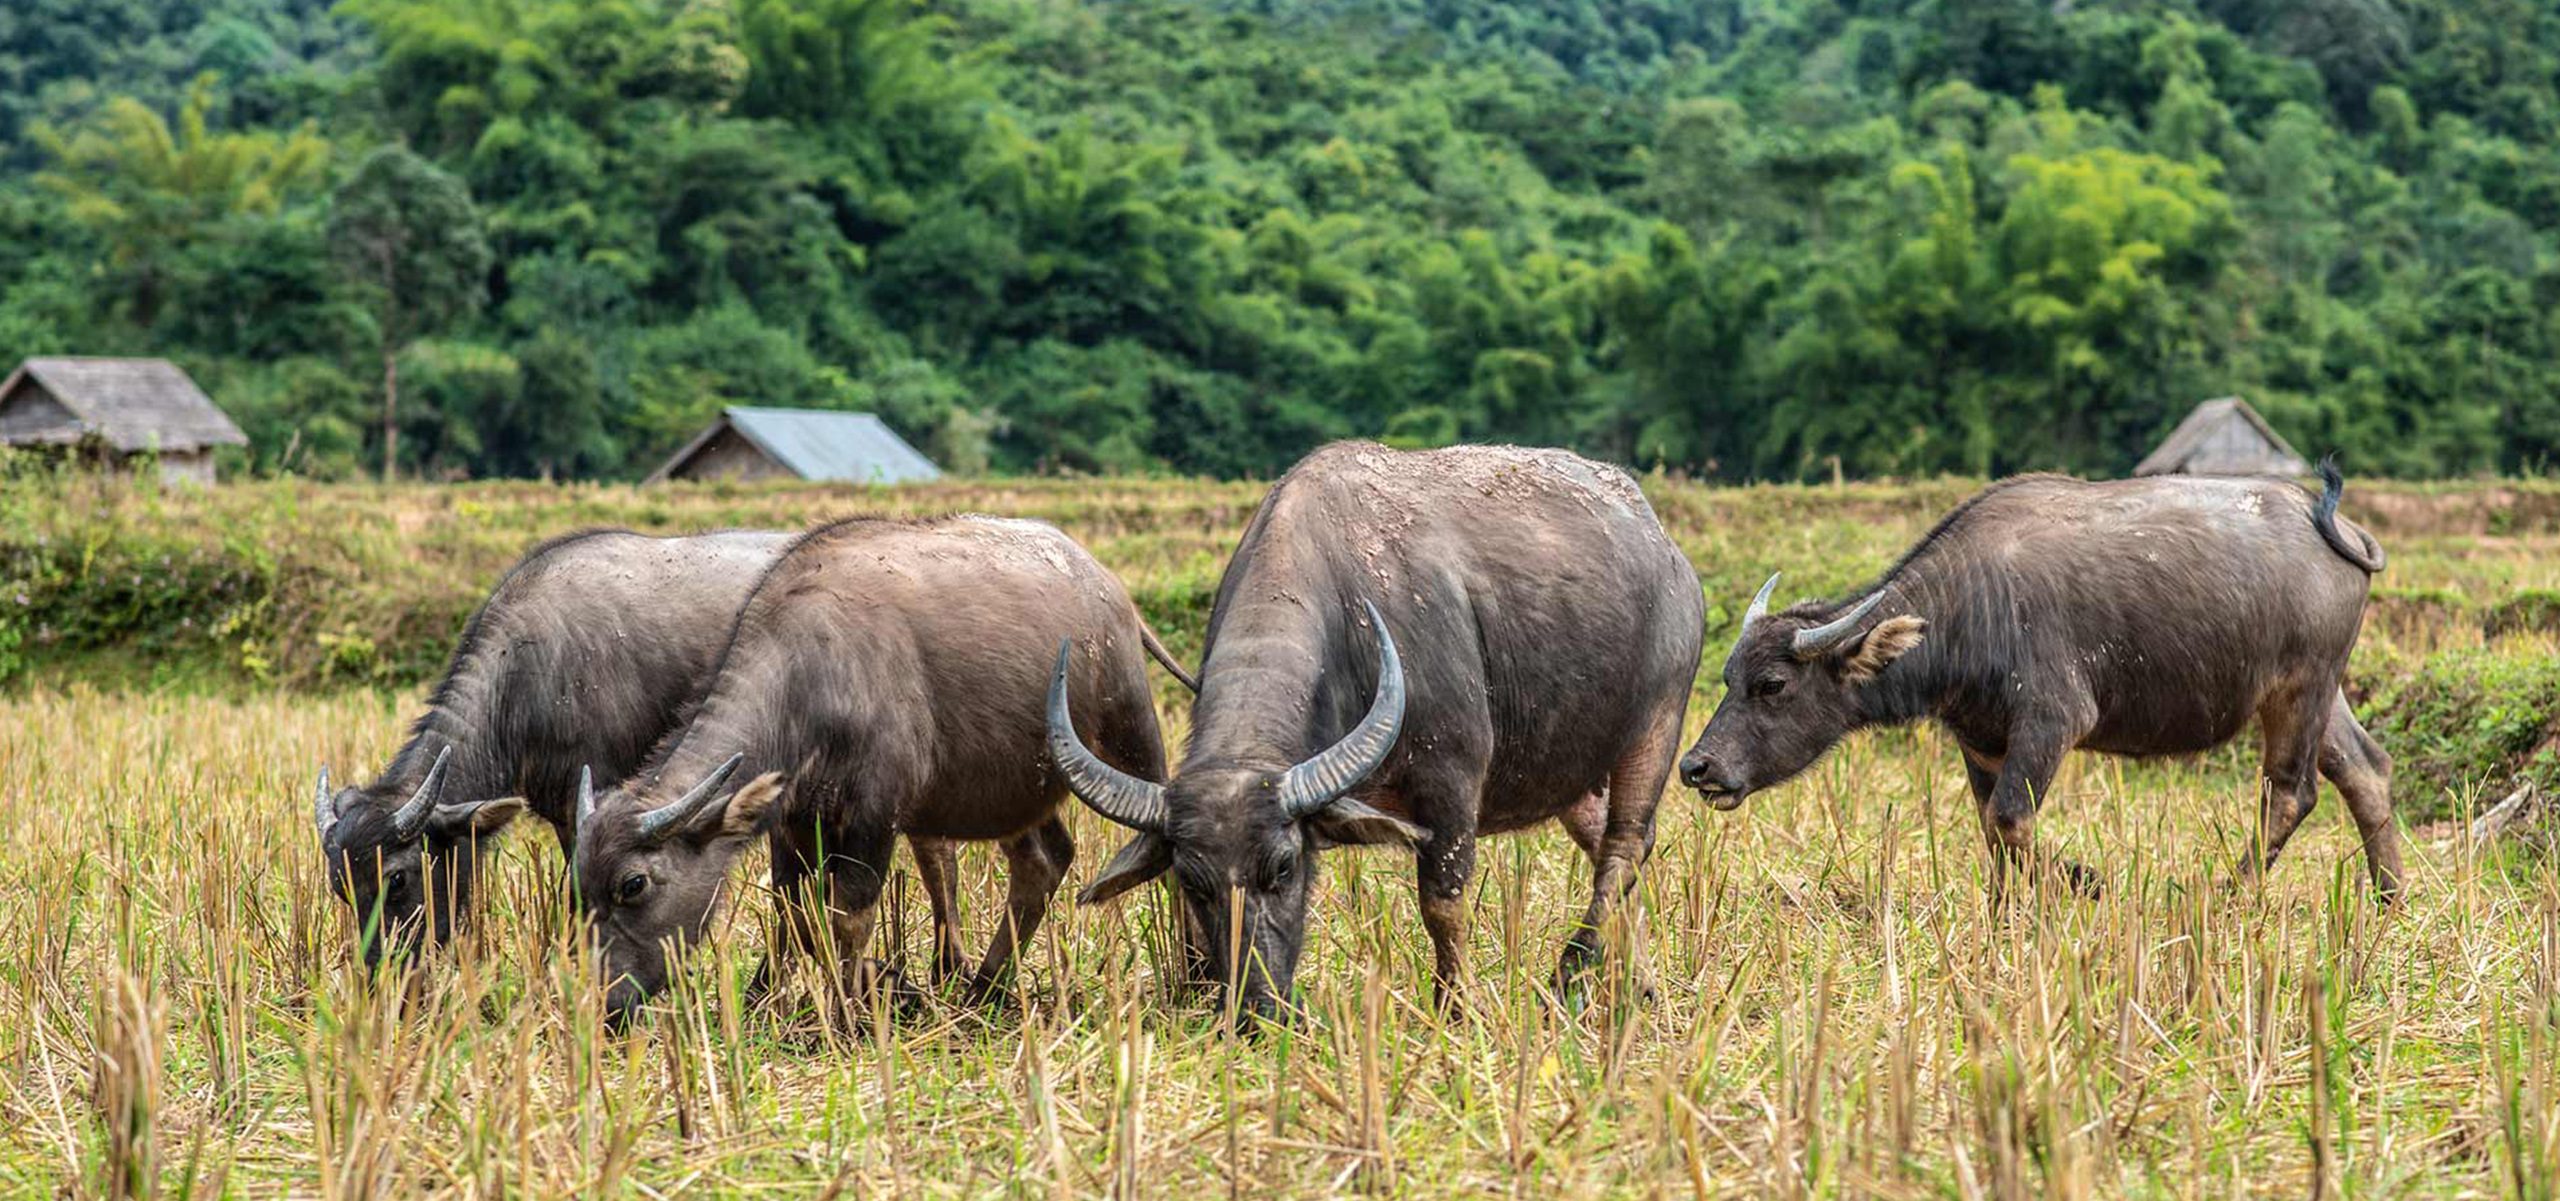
(650, 877)
(406, 864)
(1241, 839)
(1790, 692)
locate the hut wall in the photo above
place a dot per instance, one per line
(33, 415)
(731, 457)
(186, 469)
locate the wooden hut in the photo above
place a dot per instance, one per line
(2224, 437)
(116, 410)
(805, 444)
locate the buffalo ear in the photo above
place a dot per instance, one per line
(1346, 822)
(1890, 640)
(474, 819)
(743, 814)
(1139, 860)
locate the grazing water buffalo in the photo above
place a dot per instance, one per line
(2135, 617)
(885, 677)
(584, 654)
(1414, 649)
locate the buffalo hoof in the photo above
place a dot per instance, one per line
(759, 989)
(1264, 1015)
(905, 999)
(1450, 998)
(988, 992)
(2081, 879)
(1571, 997)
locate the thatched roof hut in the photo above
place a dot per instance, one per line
(119, 409)
(2223, 437)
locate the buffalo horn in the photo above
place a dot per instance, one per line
(1315, 783)
(1115, 794)
(412, 817)
(662, 821)
(1821, 638)
(1760, 603)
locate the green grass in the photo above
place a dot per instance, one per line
(1839, 1013)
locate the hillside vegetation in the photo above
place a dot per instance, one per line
(323, 587)
(1751, 240)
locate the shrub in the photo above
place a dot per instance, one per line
(2464, 722)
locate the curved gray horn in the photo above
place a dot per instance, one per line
(412, 817)
(1315, 783)
(586, 795)
(1814, 641)
(662, 821)
(1760, 603)
(1109, 791)
(323, 813)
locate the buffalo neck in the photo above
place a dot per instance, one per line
(1960, 672)
(461, 716)
(786, 698)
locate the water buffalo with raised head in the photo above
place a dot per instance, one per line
(583, 654)
(1414, 649)
(2136, 617)
(884, 678)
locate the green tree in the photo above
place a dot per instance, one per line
(409, 245)
(145, 190)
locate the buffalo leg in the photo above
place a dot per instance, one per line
(793, 932)
(1587, 824)
(568, 840)
(938, 869)
(1443, 865)
(1983, 773)
(1036, 861)
(2290, 725)
(1628, 803)
(1448, 861)
(2362, 771)
(857, 871)
(2025, 778)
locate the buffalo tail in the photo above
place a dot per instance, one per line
(2362, 550)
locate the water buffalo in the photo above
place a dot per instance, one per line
(885, 677)
(2135, 617)
(584, 653)
(1414, 649)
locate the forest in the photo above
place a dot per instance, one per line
(1737, 239)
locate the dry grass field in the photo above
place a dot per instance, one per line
(1839, 1013)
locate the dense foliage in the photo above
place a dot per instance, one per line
(1746, 239)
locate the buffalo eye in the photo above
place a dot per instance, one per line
(631, 887)
(1767, 686)
(395, 880)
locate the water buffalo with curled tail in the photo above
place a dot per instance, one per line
(1413, 649)
(2133, 617)
(584, 653)
(885, 677)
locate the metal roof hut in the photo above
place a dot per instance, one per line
(807, 444)
(117, 410)
(2224, 437)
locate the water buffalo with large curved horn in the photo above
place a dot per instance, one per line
(2132, 617)
(584, 653)
(1414, 649)
(884, 678)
